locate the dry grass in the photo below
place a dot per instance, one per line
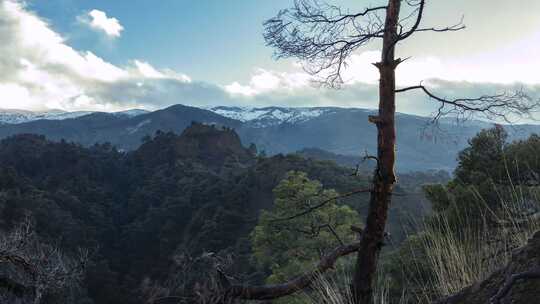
(456, 258)
(473, 246)
(334, 289)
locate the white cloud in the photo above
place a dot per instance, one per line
(264, 81)
(98, 20)
(145, 69)
(360, 68)
(13, 95)
(236, 88)
(484, 68)
(40, 71)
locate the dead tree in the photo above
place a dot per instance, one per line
(323, 37)
(31, 269)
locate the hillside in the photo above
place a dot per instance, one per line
(275, 130)
(186, 194)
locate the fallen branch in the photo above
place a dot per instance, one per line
(511, 280)
(269, 292)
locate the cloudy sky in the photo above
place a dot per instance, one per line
(114, 55)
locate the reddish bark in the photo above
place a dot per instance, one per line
(384, 177)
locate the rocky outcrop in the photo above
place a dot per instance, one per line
(517, 283)
(215, 147)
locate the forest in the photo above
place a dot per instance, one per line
(160, 221)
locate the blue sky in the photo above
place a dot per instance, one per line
(217, 41)
(115, 55)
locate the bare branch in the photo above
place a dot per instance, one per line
(511, 280)
(320, 205)
(368, 156)
(322, 35)
(501, 106)
(356, 170)
(333, 231)
(453, 28)
(44, 268)
(416, 24)
(321, 17)
(269, 292)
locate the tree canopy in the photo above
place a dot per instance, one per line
(288, 247)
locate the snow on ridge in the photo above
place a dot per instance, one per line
(136, 128)
(263, 117)
(131, 113)
(22, 116)
(243, 114)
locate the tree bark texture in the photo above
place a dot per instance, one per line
(384, 176)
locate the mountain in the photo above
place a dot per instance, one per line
(124, 131)
(274, 130)
(346, 131)
(271, 116)
(22, 116)
(131, 113)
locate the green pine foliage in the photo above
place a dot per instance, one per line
(290, 247)
(143, 215)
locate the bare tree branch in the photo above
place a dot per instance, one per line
(322, 35)
(44, 267)
(322, 17)
(335, 234)
(269, 292)
(320, 205)
(420, 10)
(453, 28)
(511, 280)
(501, 106)
(316, 230)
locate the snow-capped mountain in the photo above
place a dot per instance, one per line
(22, 116)
(131, 113)
(271, 116)
(274, 130)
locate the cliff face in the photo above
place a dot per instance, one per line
(214, 147)
(517, 283)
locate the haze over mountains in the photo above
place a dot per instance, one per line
(344, 131)
(22, 116)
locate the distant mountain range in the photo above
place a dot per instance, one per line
(272, 116)
(22, 116)
(344, 131)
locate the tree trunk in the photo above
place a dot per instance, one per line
(384, 176)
